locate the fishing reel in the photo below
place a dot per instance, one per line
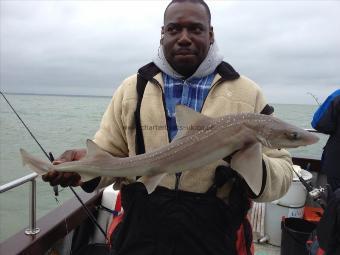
(317, 193)
(320, 195)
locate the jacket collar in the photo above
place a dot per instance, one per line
(151, 71)
(227, 72)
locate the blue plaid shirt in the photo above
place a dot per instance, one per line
(190, 93)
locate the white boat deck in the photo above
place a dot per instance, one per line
(266, 249)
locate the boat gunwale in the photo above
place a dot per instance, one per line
(52, 226)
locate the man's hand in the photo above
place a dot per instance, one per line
(65, 179)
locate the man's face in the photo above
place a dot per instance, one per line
(186, 36)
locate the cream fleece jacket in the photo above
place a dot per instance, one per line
(117, 133)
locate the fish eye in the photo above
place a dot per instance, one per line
(293, 135)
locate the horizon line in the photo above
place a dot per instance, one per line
(78, 95)
(52, 94)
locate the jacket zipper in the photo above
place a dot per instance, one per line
(219, 81)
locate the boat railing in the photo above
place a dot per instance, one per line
(32, 228)
(312, 130)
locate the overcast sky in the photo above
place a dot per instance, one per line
(289, 48)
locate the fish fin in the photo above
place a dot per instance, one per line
(188, 120)
(35, 164)
(93, 150)
(151, 181)
(248, 163)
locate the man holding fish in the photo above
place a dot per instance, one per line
(200, 211)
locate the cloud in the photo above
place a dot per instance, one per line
(84, 47)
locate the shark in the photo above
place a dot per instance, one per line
(200, 141)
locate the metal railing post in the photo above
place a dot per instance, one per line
(32, 229)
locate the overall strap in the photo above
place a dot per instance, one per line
(144, 74)
(139, 140)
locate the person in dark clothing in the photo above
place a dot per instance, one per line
(328, 229)
(327, 120)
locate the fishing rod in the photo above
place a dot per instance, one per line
(51, 159)
(315, 98)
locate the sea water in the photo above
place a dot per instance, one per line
(64, 122)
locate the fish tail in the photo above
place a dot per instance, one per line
(35, 164)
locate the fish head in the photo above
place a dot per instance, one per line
(275, 133)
